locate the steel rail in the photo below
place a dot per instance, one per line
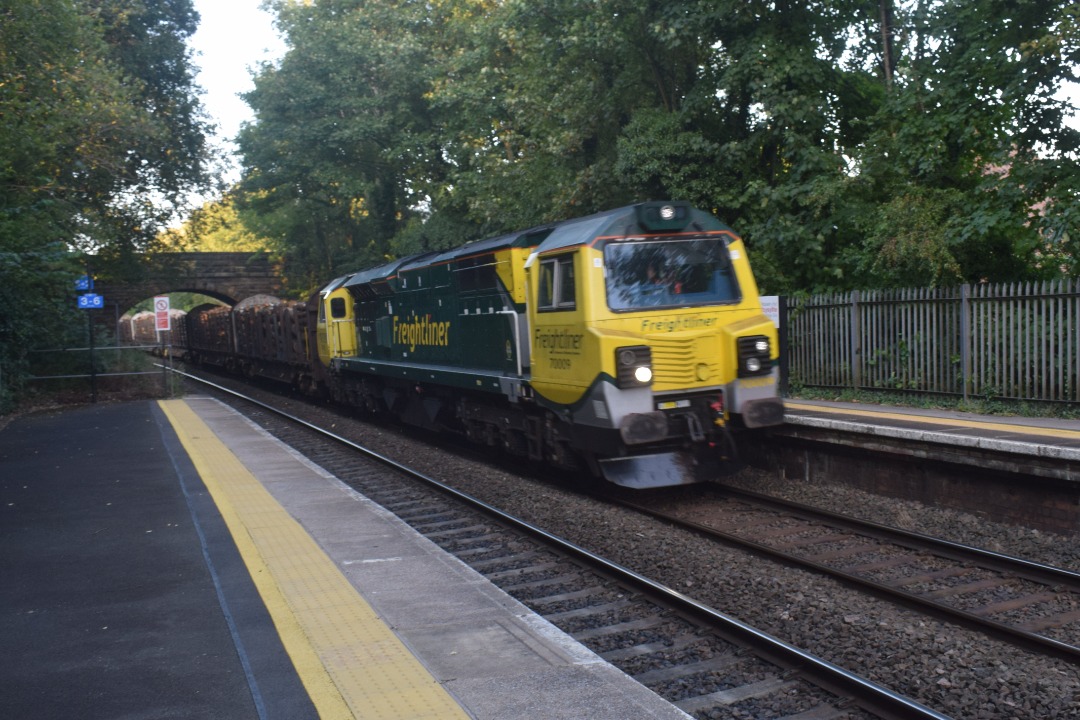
(1015, 635)
(868, 695)
(989, 559)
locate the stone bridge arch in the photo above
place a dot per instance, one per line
(226, 276)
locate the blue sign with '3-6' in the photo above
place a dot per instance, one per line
(88, 301)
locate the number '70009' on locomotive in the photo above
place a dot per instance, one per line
(632, 341)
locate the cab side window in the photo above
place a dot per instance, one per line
(557, 287)
(337, 308)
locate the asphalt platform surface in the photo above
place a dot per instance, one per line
(116, 569)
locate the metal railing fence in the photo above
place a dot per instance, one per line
(1018, 341)
(94, 363)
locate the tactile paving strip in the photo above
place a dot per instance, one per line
(351, 663)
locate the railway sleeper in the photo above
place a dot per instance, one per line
(735, 695)
(591, 610)
(618, 628)
(634, 651)
(662, 675)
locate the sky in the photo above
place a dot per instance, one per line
(234, 36)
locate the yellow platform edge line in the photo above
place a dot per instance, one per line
(349, 661)
(930, 420)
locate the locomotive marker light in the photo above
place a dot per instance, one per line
(754, 355)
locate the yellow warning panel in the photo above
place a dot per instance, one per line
(350, 662)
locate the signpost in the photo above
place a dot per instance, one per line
(90, 301)
(161, 313)
(87, 300)
(162, 324)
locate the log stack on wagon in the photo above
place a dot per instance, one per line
(141, 329)
(262, 336)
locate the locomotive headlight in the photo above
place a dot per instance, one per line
(633, 366)
(754, 355)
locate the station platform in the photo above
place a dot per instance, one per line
(1015, 470)
(1042, 438)
(173, 560)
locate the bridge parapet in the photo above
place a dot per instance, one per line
(226, 276)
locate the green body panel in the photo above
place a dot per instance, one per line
(439, 327)
(466, 379)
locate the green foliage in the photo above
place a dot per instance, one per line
(36, 294)
(146, 40)
(98, 114)
(217, 227)
(847, 149)
(334, 167)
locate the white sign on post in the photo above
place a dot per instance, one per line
(161, 313)
(770, 305)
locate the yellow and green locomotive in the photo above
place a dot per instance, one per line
(631, 341)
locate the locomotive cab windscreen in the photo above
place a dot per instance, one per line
(669, 273)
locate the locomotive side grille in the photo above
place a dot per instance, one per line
(674, 361)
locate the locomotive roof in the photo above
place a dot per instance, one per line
(641, 219)
(384, 272)
(648, 218)
(379, 272)
(335, 284)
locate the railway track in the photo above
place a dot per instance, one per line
(1032, 605)
(704, 662)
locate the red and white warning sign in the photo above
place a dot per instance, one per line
(161, 313)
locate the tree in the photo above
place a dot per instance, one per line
(335, 163)
(972, 133)
(770, 103)
(848, 142)
(217, 226)
(87, 162)
(61, 109)
(166, 153)
(531, 104)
